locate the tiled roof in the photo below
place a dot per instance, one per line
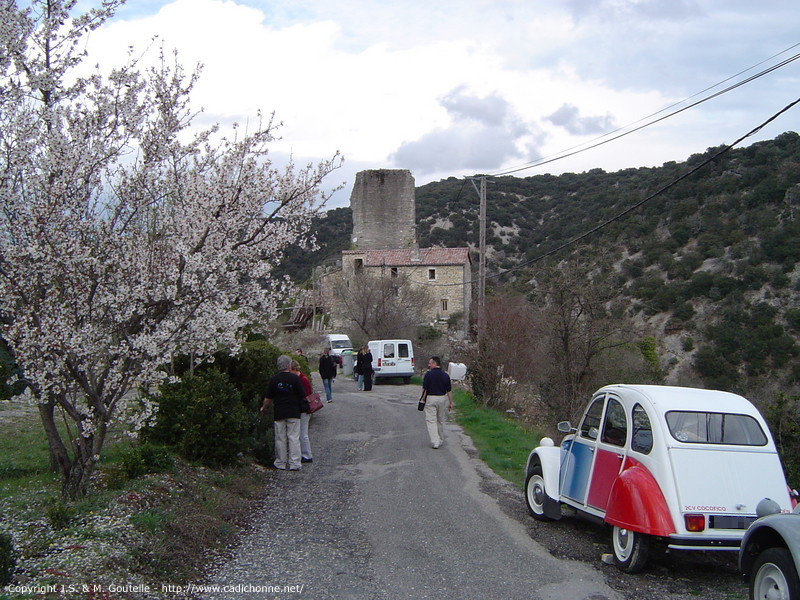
(405, 257)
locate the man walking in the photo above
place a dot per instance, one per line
(327, 371)
(437, 393)
(285, 391)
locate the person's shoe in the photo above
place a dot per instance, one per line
(436, 446)
(294, 468)
(306, 460)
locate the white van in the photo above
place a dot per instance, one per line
(392, 358)
(338, 343)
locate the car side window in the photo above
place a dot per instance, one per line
(591, 420)
(642, 439)
(615, 428)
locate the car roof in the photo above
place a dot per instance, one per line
(665, 398)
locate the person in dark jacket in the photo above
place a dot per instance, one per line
(285, 391)
(363, 369)
(438, 398)
(327, 371)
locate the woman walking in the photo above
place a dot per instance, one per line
(305, 441)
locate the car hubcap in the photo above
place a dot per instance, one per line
(623, 543)
(536, 493)
(771, 584)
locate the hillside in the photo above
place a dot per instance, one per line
(710, 264)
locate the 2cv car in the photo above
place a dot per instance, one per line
(681, 465)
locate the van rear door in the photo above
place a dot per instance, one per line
(405, 359)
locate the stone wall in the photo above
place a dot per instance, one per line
(383, 210)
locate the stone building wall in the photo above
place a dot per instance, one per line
(383, 207)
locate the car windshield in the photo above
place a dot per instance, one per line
(339, 344)
(715, 428)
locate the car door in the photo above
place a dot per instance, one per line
(388, 357)
(609, 453)
(576, 465)
(404, 358)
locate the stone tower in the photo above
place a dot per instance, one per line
(383, 210)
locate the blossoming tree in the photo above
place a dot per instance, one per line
(124, 237)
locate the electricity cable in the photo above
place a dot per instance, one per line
(599, 141)
(618, 216)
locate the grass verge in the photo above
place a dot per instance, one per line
(163, 527)
(503, 442)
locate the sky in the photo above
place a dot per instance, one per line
(451, 88)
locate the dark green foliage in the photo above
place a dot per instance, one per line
(144, 458)
(250, 371)
(783, 417)
(202, 417)
(8, 369)
(58, 513)
(8, 559)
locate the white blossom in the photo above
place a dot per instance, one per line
(121, 244)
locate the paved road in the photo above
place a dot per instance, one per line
(379, 514)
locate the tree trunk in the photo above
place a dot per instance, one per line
(75, 473)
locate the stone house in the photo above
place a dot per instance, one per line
(384, 245)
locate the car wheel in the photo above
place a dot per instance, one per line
(535, 494)
(630, 549)
(774, 576)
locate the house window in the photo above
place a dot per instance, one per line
(444, 304)
(394, 272)
(431, 274)
(358, 263)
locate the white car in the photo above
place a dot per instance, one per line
(685, 465)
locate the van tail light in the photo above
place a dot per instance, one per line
(379, 362)
(695, 522)
(412, 362)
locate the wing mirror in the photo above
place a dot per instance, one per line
(564, 427)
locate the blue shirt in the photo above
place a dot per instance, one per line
(436, 382)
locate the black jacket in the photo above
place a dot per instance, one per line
(327, 367)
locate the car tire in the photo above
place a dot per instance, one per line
(774, 576)
(630, 549)
(535, 494)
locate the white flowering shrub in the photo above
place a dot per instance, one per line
(125, 237)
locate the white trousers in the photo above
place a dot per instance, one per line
(435, 414)
(305, 442)
(287, 434)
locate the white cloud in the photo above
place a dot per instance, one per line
(463, 86)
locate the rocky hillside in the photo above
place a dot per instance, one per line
(709, 263)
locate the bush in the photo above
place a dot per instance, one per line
(8, 559)
(250, 371)
(202, 417)
(146, 458)
(58, 514)
(782, 416)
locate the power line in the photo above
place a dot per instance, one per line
(635, 206)
(599, 141)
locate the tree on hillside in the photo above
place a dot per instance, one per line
(124, 237)
(382, 307)
(578, 329)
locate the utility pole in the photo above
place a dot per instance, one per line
(481, 253)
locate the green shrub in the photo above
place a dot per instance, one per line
(8, 559)
(146, 458)
(782, 417)
(250, 372)
(58, 514)
(202, 417)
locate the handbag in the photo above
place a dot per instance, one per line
(422, 399)
(314, 402)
